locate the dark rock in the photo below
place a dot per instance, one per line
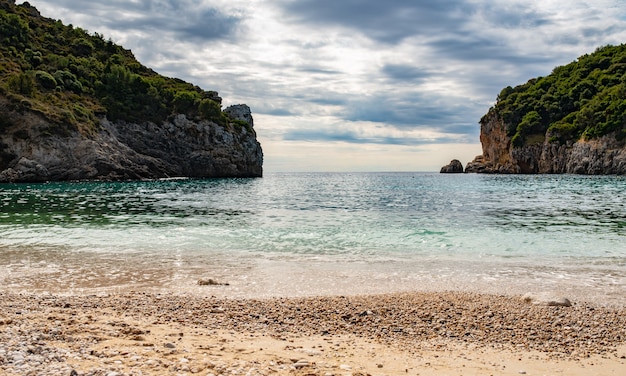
(478, 165)
(455, 167)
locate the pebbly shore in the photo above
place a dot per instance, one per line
(139, 333)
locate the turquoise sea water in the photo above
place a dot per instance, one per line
(317, 233)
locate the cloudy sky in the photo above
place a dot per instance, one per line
(355, 85)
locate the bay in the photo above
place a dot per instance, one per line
(293, 234)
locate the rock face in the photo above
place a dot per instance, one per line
(605, 155)
(240, 112)
(455, 167)
(30, 152)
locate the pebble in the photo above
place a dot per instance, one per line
(58, 336)
(301, 363)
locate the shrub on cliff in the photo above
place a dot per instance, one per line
(46, 80)
(46, 64)
(584, 99)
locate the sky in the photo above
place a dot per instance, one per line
(355, 85)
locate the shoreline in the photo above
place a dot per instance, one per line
(255, 276)
(397, 333)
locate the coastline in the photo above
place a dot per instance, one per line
(344, 283)
(422, 333)
(254, 277)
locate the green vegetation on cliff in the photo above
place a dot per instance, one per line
(73, 77)
(585, 99)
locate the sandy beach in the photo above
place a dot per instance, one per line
(443, 333)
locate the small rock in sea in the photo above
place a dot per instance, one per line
(455, 167)
(546, 299)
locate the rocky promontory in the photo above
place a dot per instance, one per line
(571, 121)
(75, 106)
(119, 150)
(605, 155)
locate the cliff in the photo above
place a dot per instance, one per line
(604, 155)
(29, 152)
(74, 106)
(572, 121)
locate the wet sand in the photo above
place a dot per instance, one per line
(422, 333)
(33, 270)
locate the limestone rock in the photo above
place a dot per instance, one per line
(605, 155)
(29, 152)
(478, 165)
(240, 112)
(455, 167)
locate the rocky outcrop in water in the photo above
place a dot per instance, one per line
(548, 155)
(455, 167)
(34, 150)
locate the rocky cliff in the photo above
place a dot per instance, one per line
(34, 150)
(548, 155)
(571, 121)
(74, 106)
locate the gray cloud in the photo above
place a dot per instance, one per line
(512, 15)
(414, 111)
(352, 137)
(329, 101)
(388, 21)
(403, 72)
(318, 70)
(187, 20)
(449, 26)
(197, 25)
(275, 111)
(473, 48)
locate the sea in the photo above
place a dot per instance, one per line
(315, 234)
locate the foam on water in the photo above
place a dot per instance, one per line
(313, 234)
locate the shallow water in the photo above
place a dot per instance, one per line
(318, 234)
